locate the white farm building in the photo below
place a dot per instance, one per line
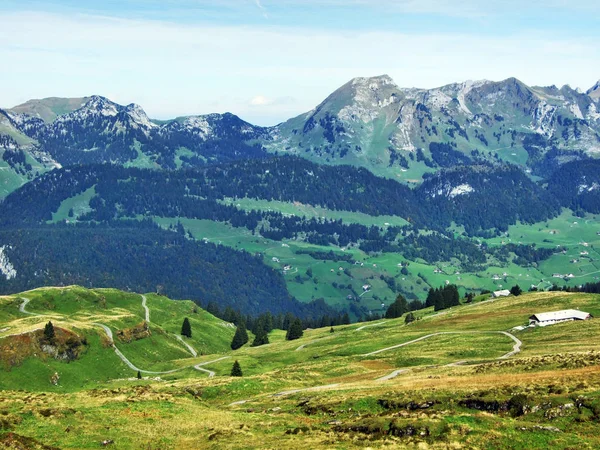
(502, 293)
(550, 318)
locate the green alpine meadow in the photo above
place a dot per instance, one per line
(284, 224)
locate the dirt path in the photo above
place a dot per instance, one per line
(371, 325)
(188, 346)
(209, 372)
(516, 349)
(23, 310)
(122, 357)
(394, 374)
(304, 345)
(310, 389)
(146, 310)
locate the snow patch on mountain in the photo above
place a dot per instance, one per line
(6, 267)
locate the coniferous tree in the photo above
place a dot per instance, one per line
(451, 296)
(240, 337)
(236, 370)
(49, 333)
(261, 338)
(186, 328)
(295, 330)
(516, 290)
(139, 375)
(396, 309)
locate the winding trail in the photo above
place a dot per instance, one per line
(516, 349)
(147, 311)
(192, 351)
(188, 346)
(123, 358)
(209, 372)
(304, 345)
(394, 374)
(24, 304)
(310, 389)
(370, 325)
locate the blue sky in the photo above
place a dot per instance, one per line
(268, 60)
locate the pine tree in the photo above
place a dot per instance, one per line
(49, 333)
(139, 375)
(186, 328)
(516, 290)
(295, 330)
(236, 370)
(240, 337)
(261, 338)
(396, 309)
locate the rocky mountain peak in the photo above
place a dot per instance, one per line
(139, 116)
(98, 105)
(594, 91)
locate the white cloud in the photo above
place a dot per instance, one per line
(260, 100)
(174, 69)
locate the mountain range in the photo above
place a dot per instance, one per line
(400, 133)
(467, 184)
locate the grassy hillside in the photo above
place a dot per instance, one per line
(155, 348)
(447, 380)
(577, 236)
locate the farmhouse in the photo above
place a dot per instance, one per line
(550, 318)
(502, 293)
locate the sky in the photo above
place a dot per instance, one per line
(269, 60)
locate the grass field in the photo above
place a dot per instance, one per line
(323, 390)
